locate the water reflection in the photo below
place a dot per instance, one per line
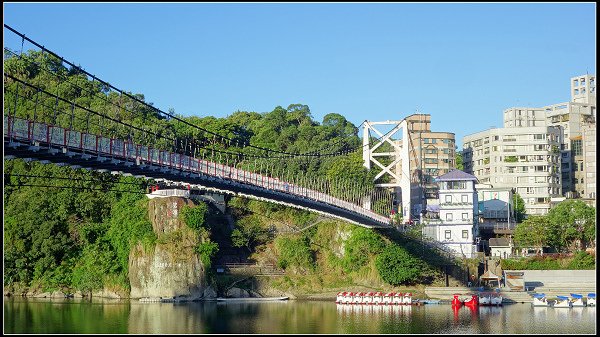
(298, 317)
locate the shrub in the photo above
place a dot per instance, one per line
(294, 251)
(396, 266)
(582, 260)
(194, 217)
(362, 243)
(207, 250)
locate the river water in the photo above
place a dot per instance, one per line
(45, 316)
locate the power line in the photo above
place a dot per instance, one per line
(68, 178)
(150, 106)
(75, 187)
(131, 127)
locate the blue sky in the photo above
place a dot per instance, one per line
(462, 63)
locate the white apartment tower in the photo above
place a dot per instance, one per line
(456, 225)
(583, 89)
(524, 158)
(534, 137)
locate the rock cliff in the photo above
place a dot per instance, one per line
(171, 268)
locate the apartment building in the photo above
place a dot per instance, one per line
(432, 153)
(583, 89)
(588, 185)
(455, 222)
(570, 118)
(564, 121)
(525, 158)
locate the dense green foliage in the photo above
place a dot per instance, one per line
(198, 219)
(459, 160)
(194, 217)
(533, 232)
(80, 236)
(290, 130)
(568, 226)
(581, 260)
(397, 266)
(362, 245)
(519, 207)
(128, 225)
(77, 234)
(574, 224)
(294, 251)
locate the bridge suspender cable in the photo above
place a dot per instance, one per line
(170, 116)
(308, 154)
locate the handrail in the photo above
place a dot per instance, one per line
(19, 128)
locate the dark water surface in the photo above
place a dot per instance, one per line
(45, 316)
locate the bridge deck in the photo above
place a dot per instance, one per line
(38, 141)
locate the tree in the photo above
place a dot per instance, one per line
(575, 221)
(533, 232)
(519, 206)
(249, 233)
(459, 160)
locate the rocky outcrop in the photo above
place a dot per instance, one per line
(171, 269)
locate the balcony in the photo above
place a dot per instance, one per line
(437, 221)
(468, 203)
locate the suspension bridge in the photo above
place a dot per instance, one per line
(60, 128)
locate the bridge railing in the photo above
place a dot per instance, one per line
(22, 129)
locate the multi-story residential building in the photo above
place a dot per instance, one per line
(570, 118)
(589, 167)
(524, 158)
(583, 89)
(522, 124)
(455, 224)
(433, 153)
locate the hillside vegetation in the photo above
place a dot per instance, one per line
(73, 229)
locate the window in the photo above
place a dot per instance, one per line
(464, 198)
(456, 185)
(576, 147)
(447, 235)
(465, 216)
(448, 199)
(465, 234)
(576, 91)
(575, 83)
(449, 216)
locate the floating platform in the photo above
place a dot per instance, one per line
(252, 299)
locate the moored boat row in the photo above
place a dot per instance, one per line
(376, 298)
(483, 298)
(575, 300)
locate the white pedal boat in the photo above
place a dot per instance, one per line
(563, 302)
(577, 300)
(540, 300)
(591, 300)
